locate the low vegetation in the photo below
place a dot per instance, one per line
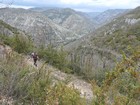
(122, 85)
(55, 57)
(51, 55)
(18, 43)
(7, 26)
(29, 86)
(26, 85)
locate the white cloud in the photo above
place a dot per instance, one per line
(108, 3)
(129, 3)
(119, 3)
(18, 6)
(76, 2)
(82, 4)
(41, 1)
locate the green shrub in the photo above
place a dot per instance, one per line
(27, 85)
(54, 57)
(121, 86)
(19, 43)
(22, 44)
(64, 95)
(12, 29)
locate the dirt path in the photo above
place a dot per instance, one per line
(82, 86)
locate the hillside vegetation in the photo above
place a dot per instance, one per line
(121, 34)
(121, 86)
(109, 60)
(98, 52)
(53, 27)
(23, 84)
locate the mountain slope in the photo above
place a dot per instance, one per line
(120, 33)
(7, 30)
(70, 19)
(18, 75)
(101, 49)
(108, 15)
(38, 26)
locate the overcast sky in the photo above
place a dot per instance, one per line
(81, 5)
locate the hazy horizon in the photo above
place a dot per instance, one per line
(78, 5)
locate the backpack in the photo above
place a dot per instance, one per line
(34, 55)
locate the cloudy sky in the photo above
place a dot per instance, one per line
(81, 5)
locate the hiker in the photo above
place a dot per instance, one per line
(35, 58)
